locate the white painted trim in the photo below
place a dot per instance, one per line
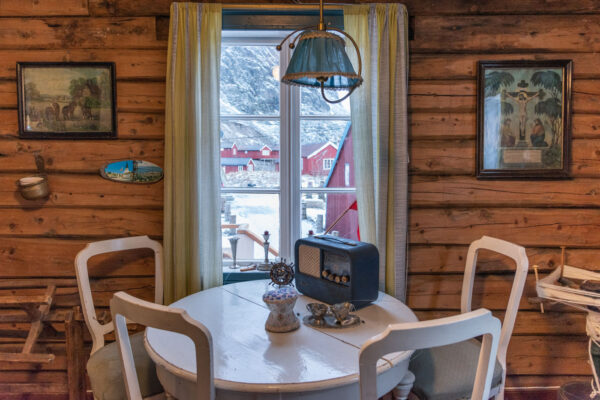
(125, 308)
(519, 255)
(98, 330)
(433, 333)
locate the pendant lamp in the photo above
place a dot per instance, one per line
(320, 60)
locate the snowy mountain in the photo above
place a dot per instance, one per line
(248, 87)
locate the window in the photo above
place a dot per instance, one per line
(300, 186)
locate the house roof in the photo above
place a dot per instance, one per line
(312, 149)
(228, 144)
(233, 161)
(256, 147)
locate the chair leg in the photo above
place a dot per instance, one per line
(402, 391)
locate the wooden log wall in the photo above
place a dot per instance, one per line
(448, 207)
(39, 239)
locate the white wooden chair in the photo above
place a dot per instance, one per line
(454, 365)
(126, 307)
(425, 334)
(103, 366)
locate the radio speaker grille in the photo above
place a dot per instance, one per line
(309, 262)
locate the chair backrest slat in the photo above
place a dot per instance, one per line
(433, 333)
(519, 255)
(97, 329)
(125, 308)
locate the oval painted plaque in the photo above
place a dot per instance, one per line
(132, 171)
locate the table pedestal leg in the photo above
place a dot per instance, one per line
(402, 391)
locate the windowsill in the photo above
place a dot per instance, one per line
(235, 275)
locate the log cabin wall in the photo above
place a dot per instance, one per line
(39, 239)
(448, 207)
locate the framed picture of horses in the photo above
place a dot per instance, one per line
(66, 100)
(524, 119)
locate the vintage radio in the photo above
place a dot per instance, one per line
(335, 270)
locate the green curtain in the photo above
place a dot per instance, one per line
(192, 226)
(380, 133)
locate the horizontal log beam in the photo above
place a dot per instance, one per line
(75, 156)
(447, 125)
(92, 33)
(129, 125)
(36, 358)
(450, 259)
(46, 8)
(460, 96)
(442, 292)
(131, 64)
(54, 257)
(457, 157)
(464, 191)
(531, 323)
(137, 97)
(490, 7)
(83, 222)
(464, 66)
(102, 291)
(477, 34)
(77, 191)
(526, 226)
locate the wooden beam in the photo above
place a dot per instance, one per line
(519, 33)
(45, 8)
(466, 191)
(451, 126)
(526, 226)
(93, 33)
(75, 357)
(38, 324)
(457, 157)
(18, 260)
(80, 156)
(130, 125)
(18, 300)
(507, 7)
(450, 259)
(26, 358)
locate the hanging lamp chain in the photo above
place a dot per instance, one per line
(321, 21)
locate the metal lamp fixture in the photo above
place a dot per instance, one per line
(320, 60)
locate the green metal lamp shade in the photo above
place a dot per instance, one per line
(320, 57)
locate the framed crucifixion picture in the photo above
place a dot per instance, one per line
(523, 119)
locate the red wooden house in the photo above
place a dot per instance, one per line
(342, 175)
(264, 157)
(235, 164)
(318, 158)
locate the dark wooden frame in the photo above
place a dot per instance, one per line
(562, 173)
(24, 134)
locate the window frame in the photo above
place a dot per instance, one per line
(290, 188)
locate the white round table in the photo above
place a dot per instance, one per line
(251, 363)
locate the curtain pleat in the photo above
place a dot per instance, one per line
(380, 133)
(192, 228)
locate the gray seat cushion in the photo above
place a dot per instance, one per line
(106, 378)
(448, 372)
